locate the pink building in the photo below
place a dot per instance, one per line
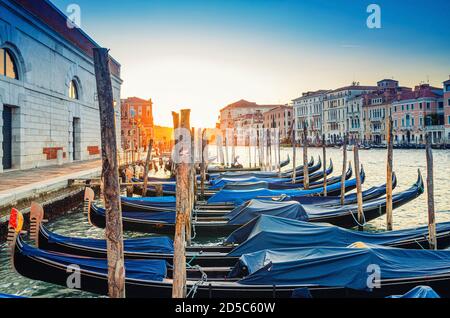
(417, 112)
(376, 107)
(280, 117)
(447, 110)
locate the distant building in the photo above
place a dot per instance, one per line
(249, 121)
(137, 122)
(338, 113)
(447, 109)
(232, 114)
(163, 137)
(309, 108)
(48, 97)
(280, 117)
(376, 110)
(418, 112)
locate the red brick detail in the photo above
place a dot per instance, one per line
(52, 153)
(93, 150)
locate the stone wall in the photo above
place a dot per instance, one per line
(42, 113)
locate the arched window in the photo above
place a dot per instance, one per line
(73, 90)
(8, 66)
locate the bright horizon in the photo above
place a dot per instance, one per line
(205, 55)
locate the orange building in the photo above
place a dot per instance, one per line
(137, 123)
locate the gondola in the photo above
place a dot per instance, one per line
(218, 169)
(271, 182)
(164, 222)
(167, 204)
(237, 197)
(367, 195)
(268, 174)
(346, 269)
(263, 233)
(169, 188)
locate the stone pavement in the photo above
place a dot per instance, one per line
(22, 184)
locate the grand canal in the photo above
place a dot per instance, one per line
(406, 165)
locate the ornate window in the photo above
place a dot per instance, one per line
(8, 65)
(73, 90)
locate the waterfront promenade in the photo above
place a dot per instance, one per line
(24, 184)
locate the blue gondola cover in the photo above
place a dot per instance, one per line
(152, 201)
(254, 208)
(162, 217)
(269, 232)
(158, 244)
(152, 270)
(419, 292)
(4, 296)
(238, 197)
(338, 267)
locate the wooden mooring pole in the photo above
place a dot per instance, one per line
(325, 177)
(430, 190)
(278, 142)
(176, 125)
(294, 155)
(305, 157)
(269, 150)
(204, 143)
(146, 168)
(358, 188)
(227, 164)
(182, 158)
(344, 168)
(389, 169)
(186, 115)
(110, 176)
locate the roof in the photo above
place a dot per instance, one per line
(132, 100)
(354, 88)
(246, 104)
(388, 80)
(278, 108)
(312, 94)
(56, 20)
(421, 91)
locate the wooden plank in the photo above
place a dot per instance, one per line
(110, 176)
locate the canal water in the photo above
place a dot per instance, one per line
(406, 165)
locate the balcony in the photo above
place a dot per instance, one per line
(435, 128)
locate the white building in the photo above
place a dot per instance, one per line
(309, 108)
(336, 110)
(48, 97)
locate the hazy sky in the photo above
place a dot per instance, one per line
(204, 55)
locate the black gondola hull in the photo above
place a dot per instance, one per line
(55, 273)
